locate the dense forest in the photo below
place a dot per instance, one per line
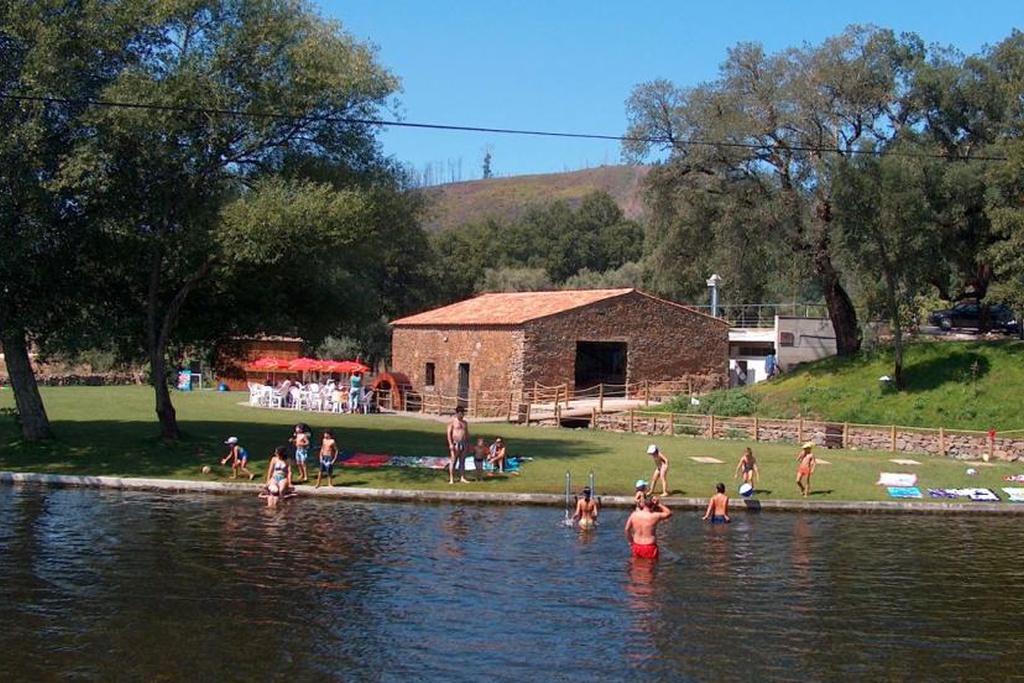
(179, 173)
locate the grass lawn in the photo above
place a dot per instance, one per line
(111, 431)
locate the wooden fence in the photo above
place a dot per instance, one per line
(607, 407)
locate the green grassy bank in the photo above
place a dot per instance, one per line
(972, 385)
(111, 431)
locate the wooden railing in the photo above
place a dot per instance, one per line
(594, 404)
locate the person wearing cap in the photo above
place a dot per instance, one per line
(458, 443)
(641, 493)
(805, 467)
(587, 509)
(239, 458)
(641, 528)
(660, 468)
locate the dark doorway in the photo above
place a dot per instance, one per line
(601, 363)
(464, 385)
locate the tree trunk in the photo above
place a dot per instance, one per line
(35, 425)
(165, 412)
(840, 308)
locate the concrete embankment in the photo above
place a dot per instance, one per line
(479, 498)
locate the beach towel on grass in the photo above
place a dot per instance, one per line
(896, 479)
(983, 495)
(1013, 477)
(943, 493)
(904, 492)
(433, 462)
(1016, 495)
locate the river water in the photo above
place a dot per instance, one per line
(108, 585)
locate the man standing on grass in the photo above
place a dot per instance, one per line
(458, 443)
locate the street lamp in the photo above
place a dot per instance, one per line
(713, 282)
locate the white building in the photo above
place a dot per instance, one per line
(794, 340)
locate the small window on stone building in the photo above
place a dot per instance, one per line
(429, 379)
(786, 339)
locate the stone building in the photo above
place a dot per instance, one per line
(505, 342)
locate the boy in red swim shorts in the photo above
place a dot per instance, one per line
(641, 527)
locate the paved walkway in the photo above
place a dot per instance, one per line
(456, 496)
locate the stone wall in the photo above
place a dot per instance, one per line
(494, 355)
(963, 445)
(664, 341)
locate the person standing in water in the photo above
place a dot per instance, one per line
(660, 468)
(640, 493)
(641, 528)
(458, 443)
(587, 510)
(805, 468)
(718, 507)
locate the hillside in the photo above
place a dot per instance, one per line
(957, 385)
(507, 198)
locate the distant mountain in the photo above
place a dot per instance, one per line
(507, 198)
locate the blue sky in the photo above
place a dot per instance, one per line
(569, 66)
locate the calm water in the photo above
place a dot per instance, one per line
(99, 585)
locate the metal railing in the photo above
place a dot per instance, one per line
(763, 315)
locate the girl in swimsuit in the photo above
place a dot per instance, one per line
(279, 474)
(805, 468)
(748, 465)
(586, 511)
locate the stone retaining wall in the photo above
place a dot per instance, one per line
(963, 445)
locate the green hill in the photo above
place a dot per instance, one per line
(972, 385)
(507, 198)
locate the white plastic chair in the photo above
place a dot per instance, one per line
(300, 399)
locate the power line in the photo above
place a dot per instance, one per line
(480, 129)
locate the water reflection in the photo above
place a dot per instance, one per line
(131, 586)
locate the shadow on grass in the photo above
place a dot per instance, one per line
(958, 368)
(130, 448)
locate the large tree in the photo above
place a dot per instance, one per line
(55, 57)
(227, 91)
(885, 218)
(783, 121)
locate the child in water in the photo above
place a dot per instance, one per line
(718, 507)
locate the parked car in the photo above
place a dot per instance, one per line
(968, 314)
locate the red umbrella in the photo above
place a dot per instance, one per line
(269, 363)
(305, 364)
(333, 366)
(351, 367)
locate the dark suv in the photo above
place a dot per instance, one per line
(968, 314)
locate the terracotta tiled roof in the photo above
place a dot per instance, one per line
(513, 308)
(509, 308)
